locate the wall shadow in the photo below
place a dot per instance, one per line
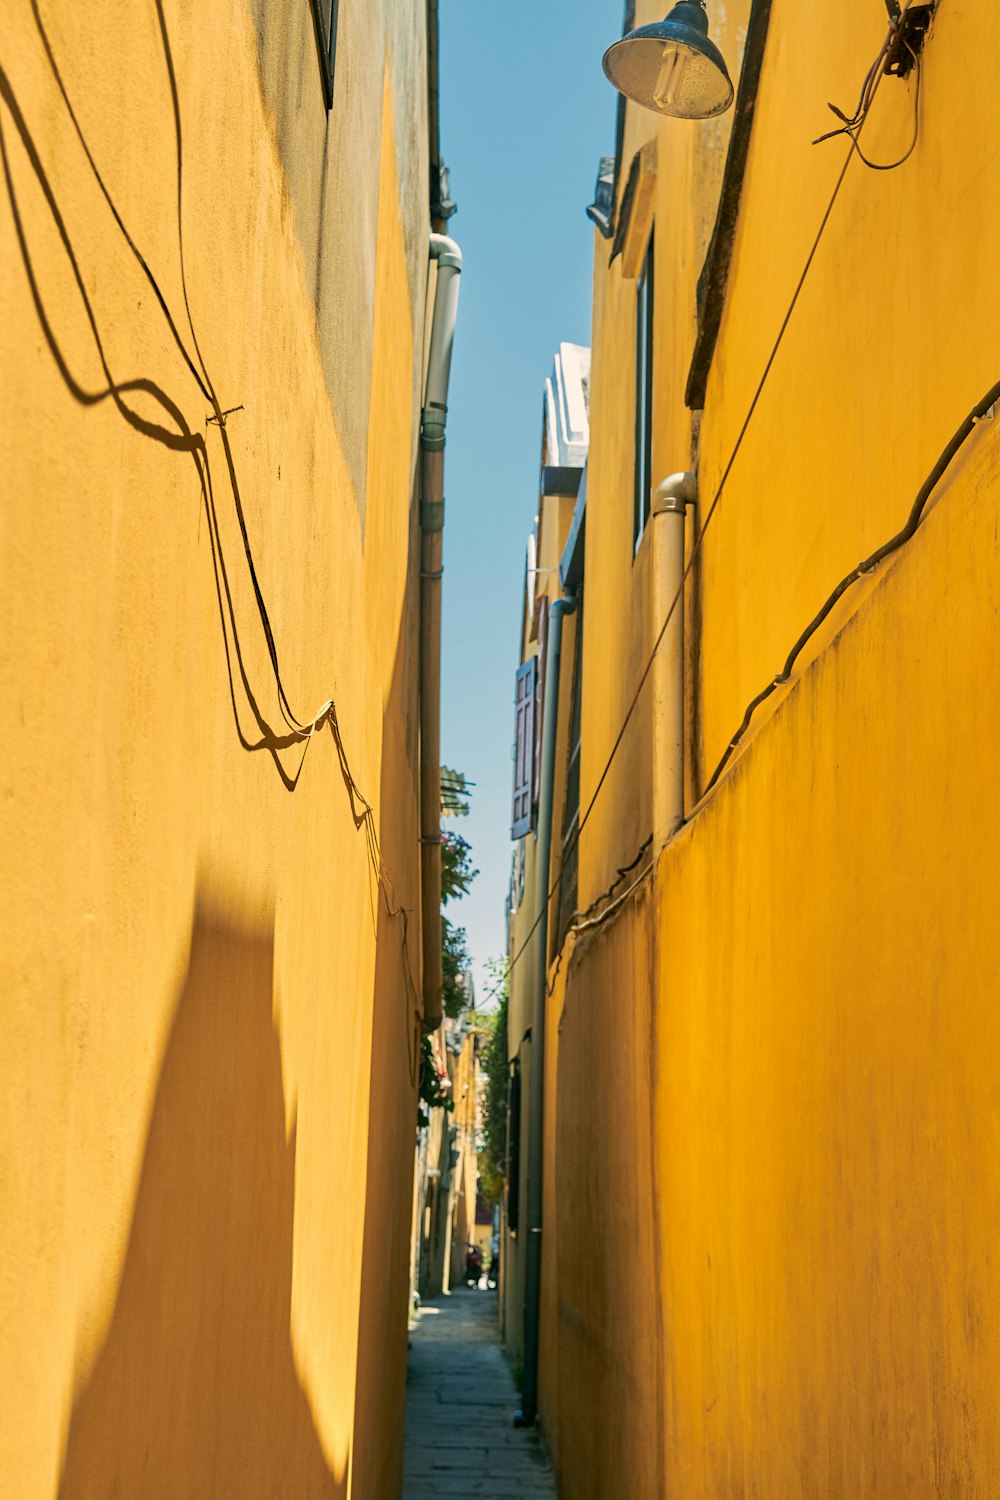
(195, 1392)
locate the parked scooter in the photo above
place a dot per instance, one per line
(473, 1265)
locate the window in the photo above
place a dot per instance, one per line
(525, 688)
(643, 394)
(325, 18)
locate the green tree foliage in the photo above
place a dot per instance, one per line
(455, 959)
(457, 874)
(432, 1094)
(495, 1065)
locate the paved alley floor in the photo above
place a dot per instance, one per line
(460, 1404)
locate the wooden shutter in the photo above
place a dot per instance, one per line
(525, 682)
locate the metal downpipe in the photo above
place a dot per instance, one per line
(432, 442)
(670, 503)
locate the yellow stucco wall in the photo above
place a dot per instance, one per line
(772, 1152)
(465, 1172)
(618, 626)
(892, 343)
(198, 995)
(554, 518)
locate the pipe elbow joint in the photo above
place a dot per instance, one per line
(675, 493)
(445, 251)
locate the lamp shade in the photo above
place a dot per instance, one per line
(672, 67)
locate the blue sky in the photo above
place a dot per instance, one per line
(526, 113)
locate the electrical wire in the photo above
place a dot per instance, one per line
(302, 729)
(585, 918)
(865, 568)
(868, 88)
(852, 127)
(585, 922)
(872, 84)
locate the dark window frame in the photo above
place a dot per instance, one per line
(513, 1162)
(645, 294)
(325, 17)
(524, 808)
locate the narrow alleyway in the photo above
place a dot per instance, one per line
(460, 1437)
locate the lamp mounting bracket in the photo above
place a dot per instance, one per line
(912, 27)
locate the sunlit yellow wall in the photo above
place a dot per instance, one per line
(618, 629)
(466, 1170)
(775, 1123)
(838, 1029)
(200, 994)
(447, 1162)
(891, 345)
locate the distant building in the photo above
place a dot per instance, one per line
(447, 1159)
(561, 511)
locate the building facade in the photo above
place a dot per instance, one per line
(214, 232)
(770, 1168)
(447, 1159)
(561, 505)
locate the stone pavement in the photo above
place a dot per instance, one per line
(460, 1438)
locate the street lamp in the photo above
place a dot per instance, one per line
(672, 67)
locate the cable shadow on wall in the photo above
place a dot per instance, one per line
(179, 436)
(195, 1390)
(296, 734)
(174, 433)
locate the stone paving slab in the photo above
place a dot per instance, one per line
(460, 1435)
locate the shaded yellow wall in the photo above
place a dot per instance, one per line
(192, 956)
(554, 518)
(437, 1201)
(773, 1119)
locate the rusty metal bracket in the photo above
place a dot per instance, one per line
(911, 33)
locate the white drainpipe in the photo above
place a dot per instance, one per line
(432, 425)
(670, 503)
